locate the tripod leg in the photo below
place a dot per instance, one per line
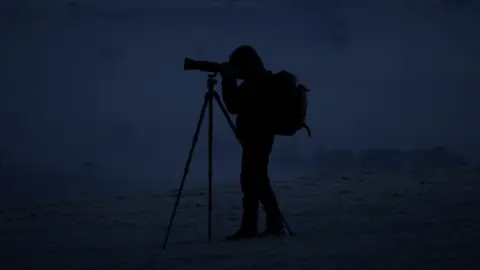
(210, 170)
(225, 113)
(286, 225)
(185, 171)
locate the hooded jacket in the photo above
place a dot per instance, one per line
(251, 100)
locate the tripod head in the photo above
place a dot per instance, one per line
(211, 82)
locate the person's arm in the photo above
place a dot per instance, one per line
(230, 93)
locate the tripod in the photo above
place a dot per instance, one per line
(209, 97)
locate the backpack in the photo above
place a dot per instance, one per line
(289, 104)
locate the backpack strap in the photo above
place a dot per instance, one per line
(309, 132)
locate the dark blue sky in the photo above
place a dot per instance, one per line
(106, 84)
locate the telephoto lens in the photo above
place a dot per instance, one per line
(205, 66)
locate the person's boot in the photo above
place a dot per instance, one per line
(275, 225)
(248, 229)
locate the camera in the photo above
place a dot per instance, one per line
(205, 66)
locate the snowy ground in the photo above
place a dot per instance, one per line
(343, 220)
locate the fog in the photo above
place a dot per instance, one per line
(103, 81)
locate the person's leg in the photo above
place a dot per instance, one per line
(250, 194)
(249, 223)
(264, 189)
(270, 204)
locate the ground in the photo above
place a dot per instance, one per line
(405, 219)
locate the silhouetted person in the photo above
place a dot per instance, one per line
(249, 102)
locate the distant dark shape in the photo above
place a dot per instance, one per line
(333, 159)
(383, 159)
(436, 158)
(339, 159)
(289, 156)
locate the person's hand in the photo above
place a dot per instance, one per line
(226, 71)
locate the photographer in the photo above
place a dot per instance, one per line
(250, 102)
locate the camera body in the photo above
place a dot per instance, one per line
(205, 66)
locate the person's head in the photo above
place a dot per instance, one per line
(246, 63)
